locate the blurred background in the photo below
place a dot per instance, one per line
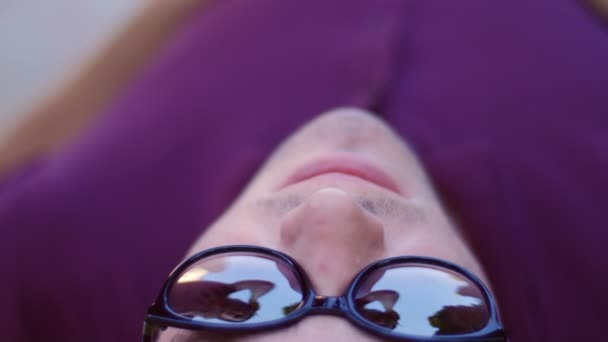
(42, 41)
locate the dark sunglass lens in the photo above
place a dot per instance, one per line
(423, 300)
(236, 287)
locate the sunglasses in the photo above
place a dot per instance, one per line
(241, 289)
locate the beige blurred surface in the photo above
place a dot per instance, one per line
(41, 41)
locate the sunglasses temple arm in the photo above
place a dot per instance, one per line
(148, 333)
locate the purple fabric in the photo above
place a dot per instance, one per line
(505, 102)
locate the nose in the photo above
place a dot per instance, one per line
(333, 238)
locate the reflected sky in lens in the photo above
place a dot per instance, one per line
(429, 296)
(235, 287)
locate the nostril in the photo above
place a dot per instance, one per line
(332, 214)
(333, 199)
(338, 206)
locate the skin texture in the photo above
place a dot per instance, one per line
(335, 224)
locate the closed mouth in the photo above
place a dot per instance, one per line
(346, 165)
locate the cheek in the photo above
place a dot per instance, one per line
(437, 243)
(222, 237)
(234, 229)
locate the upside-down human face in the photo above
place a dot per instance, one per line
(340, 193)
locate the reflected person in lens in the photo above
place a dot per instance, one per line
(340, 193)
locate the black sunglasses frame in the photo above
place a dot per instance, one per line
(160, 315)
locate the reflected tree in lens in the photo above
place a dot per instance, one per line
(387, 317)
(421, 300)
(227, 302)
(461, 319)
(236, 287)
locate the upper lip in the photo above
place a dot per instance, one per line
(344, 164)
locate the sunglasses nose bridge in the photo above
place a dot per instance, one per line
(329, 305)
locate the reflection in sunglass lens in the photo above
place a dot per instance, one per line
(236, 287)
(419, 299)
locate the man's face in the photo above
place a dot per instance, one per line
(337, 195)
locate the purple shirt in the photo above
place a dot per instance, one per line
(506, 103)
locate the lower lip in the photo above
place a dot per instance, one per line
(343, 165)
